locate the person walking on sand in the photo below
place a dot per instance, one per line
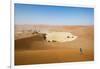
(81, 51)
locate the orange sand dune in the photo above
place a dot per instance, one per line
(35, 50)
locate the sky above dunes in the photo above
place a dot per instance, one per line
(53, 15)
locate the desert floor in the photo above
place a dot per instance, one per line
(35, 50)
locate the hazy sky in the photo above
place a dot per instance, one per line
(53, 15)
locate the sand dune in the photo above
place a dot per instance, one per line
(36, 50)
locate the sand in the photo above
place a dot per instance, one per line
(35, 50)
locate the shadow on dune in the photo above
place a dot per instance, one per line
(29, 42)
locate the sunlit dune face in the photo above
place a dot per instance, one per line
(60, 36)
